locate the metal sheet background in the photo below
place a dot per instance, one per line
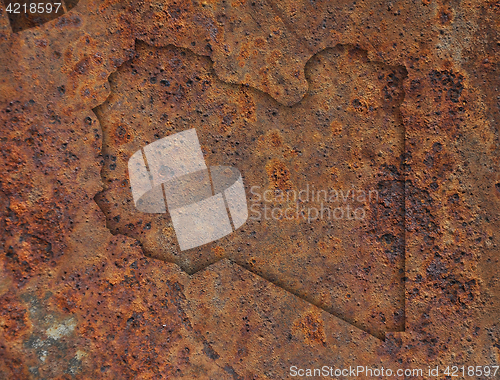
(76, 301)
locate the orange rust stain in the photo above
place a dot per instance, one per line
(279, 175)
(312, 327)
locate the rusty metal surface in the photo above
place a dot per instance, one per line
(398, 96)
(300, 148)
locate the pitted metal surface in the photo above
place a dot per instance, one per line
(85, 296)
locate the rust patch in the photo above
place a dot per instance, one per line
(311, 325)
(279, 176)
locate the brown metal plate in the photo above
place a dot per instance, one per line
(397, 96)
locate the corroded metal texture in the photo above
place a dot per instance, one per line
(343, 140)
(399, 97)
